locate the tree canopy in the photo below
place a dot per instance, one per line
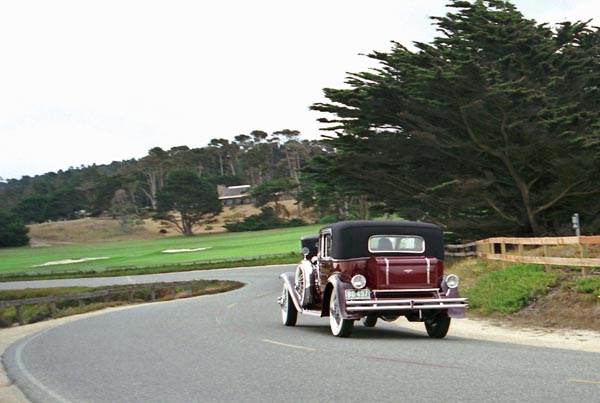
(492, 128)
(191, 197)
(258, 158)
(12, 230)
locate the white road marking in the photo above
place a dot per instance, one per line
(583, 381)
(288, 345)
(30, 376)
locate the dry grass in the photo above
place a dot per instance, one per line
(593, 251)
(107, 229)
(561, 308)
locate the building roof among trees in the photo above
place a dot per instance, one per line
(233, 192)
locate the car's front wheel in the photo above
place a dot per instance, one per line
(437, 327)
(289, 313)
(340, 327)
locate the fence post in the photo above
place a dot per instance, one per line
(583, 251)
(53, 309)
(19, 309)
(546, 254)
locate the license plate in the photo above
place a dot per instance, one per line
(357, 294)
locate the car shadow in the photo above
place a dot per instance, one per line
(361, 332)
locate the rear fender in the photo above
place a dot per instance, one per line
(339, 283)
(457, 313)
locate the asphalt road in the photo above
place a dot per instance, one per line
(232, 347)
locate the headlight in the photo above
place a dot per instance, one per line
(452, 281)
(359, 281)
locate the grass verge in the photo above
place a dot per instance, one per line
(39, 312)
(510, 290)
(530, 295)
(287, 258)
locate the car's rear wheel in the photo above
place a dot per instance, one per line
(289, 313)
(340, 327)
(299, 280)
(370, 320)
(437, 326)
(300, 284)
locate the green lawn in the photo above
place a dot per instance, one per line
(148, 253)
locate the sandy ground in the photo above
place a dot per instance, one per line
(581, 340)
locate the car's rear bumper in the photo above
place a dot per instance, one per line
(405, 304)
(402, 300)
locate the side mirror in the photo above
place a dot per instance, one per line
(305, 251)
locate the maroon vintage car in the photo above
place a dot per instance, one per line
(366, 270)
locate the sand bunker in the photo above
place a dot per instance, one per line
(183, 250)
(69, 261)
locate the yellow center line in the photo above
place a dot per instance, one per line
(288, 345)
(584, 381)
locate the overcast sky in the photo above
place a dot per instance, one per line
(84, 82)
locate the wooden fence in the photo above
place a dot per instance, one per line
(105, 294)
(467, 249)
(583, 251)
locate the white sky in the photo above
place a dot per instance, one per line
(85, 82)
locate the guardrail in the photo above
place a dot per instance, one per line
(130, 290)
(514, 250)
(467, 249)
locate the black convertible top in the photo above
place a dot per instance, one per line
(350, 238)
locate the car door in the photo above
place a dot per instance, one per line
(325, 259)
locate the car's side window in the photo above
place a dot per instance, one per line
(326, 243)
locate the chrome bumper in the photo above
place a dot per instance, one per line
(436, 301)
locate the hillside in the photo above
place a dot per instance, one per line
(107, 229)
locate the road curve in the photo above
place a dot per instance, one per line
(233, 347)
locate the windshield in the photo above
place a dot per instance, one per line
(397, 243)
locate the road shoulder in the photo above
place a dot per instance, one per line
(481, 329)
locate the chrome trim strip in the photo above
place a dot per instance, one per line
(406, 301)
(403, 308)
(428, 270)
(349, 260)
(387, 271)
(311, 313)
(423, 290)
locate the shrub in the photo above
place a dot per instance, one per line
(267, 219)
(588, 285)
(13, 231)
(508, 291)
(328, 219)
